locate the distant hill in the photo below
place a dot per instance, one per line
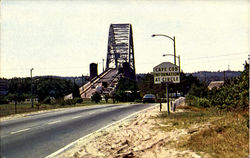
(79, 80)
(205, 76)
(208, 76)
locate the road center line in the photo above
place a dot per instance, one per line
(76, 117)
(22, 130)
(50, 123)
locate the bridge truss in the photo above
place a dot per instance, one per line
(120, 47)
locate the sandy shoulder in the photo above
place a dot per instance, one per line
(137, 137)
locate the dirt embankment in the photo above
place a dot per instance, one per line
(137, 137)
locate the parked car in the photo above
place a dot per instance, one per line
(148, 98)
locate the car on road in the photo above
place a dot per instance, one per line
(148, 98)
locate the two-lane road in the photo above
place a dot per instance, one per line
(42, 134)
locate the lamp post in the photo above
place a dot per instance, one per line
(173, 39)
(32, 102)
(179, 69)
(179, 60)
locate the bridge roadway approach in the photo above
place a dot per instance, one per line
(41, 134)
(109, 76)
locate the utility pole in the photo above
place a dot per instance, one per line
(224, 76)
(102, 65)
(32, 101)
(205, 76)
(82, 79)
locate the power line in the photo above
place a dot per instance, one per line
(223, 55)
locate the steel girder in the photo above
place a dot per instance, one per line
(120, 46)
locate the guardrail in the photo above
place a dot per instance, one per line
(178, 102)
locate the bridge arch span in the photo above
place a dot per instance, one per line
(120, 47)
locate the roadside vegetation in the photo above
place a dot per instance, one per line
(211, 132)
(45, 89)
(217, 120)
(9, 109)
(126, 91)
(49, 92)
(146, 85)
(232, 96)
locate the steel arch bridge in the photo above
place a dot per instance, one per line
(120, 62)
(120, 47)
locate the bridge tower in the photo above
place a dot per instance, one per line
(121, 47)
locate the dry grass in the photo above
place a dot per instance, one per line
(211, 132)
(226, 137)
(184, 120)
(9, 109)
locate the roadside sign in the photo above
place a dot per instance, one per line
(166, 72)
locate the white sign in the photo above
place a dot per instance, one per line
(166, 72)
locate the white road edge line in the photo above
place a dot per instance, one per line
(50, 123)
(75, 142)
(75, 117)
(22, 130)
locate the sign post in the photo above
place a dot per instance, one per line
(166, 72)
(167, 95)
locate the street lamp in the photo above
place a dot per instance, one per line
(179, 59)
(32, 102)
(173, 39)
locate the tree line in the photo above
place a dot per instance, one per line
(233, 95)
(146, 85)
(42, 88)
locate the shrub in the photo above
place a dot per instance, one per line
(3, 100)
(198, 102)
(47, 100)
(60, 101)
(69, 102)
(138, 100)
(96, 98)
(203, 102)
(78, 100)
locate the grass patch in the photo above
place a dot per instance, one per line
(191, 116)
(9, 109)
(226, 136)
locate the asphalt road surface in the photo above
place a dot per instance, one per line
(39, 135)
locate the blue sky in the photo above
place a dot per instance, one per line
(64, 37)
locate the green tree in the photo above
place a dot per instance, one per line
(43, 87)
(96, 97)
(50, 87)
(126, 90)
(233, 95)
(106, 97)
(76, 92)
(146, 85)
(198, 91)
